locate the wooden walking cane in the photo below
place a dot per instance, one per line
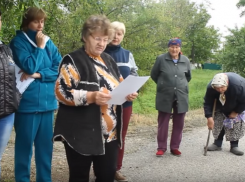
(206, 148)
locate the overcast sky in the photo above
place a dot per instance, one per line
(224, 13)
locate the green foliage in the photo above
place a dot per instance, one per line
(233, 58)
(197, 86)
(145, 103)
(12, 12)
(150, 24)
(240, 5)
(203, 40)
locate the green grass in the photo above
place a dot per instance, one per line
(145, 103)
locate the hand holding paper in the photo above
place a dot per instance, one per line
(22, 85)
(128, 86)
(132, 96)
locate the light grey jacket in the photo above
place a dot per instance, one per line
(172, 82)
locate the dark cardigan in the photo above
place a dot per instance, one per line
(235, 97)
(80, 126)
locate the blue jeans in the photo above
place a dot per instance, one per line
(6, 126)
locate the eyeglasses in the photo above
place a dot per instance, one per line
(99, 39)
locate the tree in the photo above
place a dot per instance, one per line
(149, 25)
(240, 5)
(203, 40)
(12, 14)
(233, 54)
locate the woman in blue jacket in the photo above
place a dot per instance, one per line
(37, 57)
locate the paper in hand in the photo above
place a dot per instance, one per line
(21, 85)
(128, 86)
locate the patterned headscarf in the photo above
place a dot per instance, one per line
(220, 80)
(174, 41)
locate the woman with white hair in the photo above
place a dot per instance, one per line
(126, 64)
(228, 90)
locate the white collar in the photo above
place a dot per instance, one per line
(33, 43)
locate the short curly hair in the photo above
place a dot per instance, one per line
(97, 23)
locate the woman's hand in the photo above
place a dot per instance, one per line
(210, 123)
(25, 76)
(40, 38)
(233, 115)
(98, 97)
(132, 96)
(36, 75)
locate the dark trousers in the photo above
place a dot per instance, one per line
(104, 165)
(178, 125)
(126, 118)
(219, 140)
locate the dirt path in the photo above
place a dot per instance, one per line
(141, 164)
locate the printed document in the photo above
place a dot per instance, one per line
(128, 86)
(22, 85)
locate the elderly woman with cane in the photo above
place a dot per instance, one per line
(228, 89)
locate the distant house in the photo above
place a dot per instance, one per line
(196, 66)
(212, 66)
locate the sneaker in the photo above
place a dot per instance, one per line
(159, 153)
(236, 151)
(119, 177)
(213, 147)
(176, 152)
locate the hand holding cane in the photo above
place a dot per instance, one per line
(209, 132)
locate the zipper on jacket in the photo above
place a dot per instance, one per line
(4, 78)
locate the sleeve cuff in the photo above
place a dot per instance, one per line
(80, 97)
(208, 116)
(42, 76)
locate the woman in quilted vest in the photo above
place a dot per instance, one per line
(9, 97)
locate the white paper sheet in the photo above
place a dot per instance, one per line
(128, 86)
(22, 86)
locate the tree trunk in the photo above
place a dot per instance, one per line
(193, 53)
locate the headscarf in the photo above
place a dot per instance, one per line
(174, 41)
(220, 80)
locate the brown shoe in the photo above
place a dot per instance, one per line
(119, 177)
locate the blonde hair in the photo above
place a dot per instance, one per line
(119, 26)
(97, 23)
(31, 14)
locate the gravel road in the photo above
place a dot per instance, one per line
(192, 166)
(141, 165)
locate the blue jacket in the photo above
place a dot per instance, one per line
(39, 96)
